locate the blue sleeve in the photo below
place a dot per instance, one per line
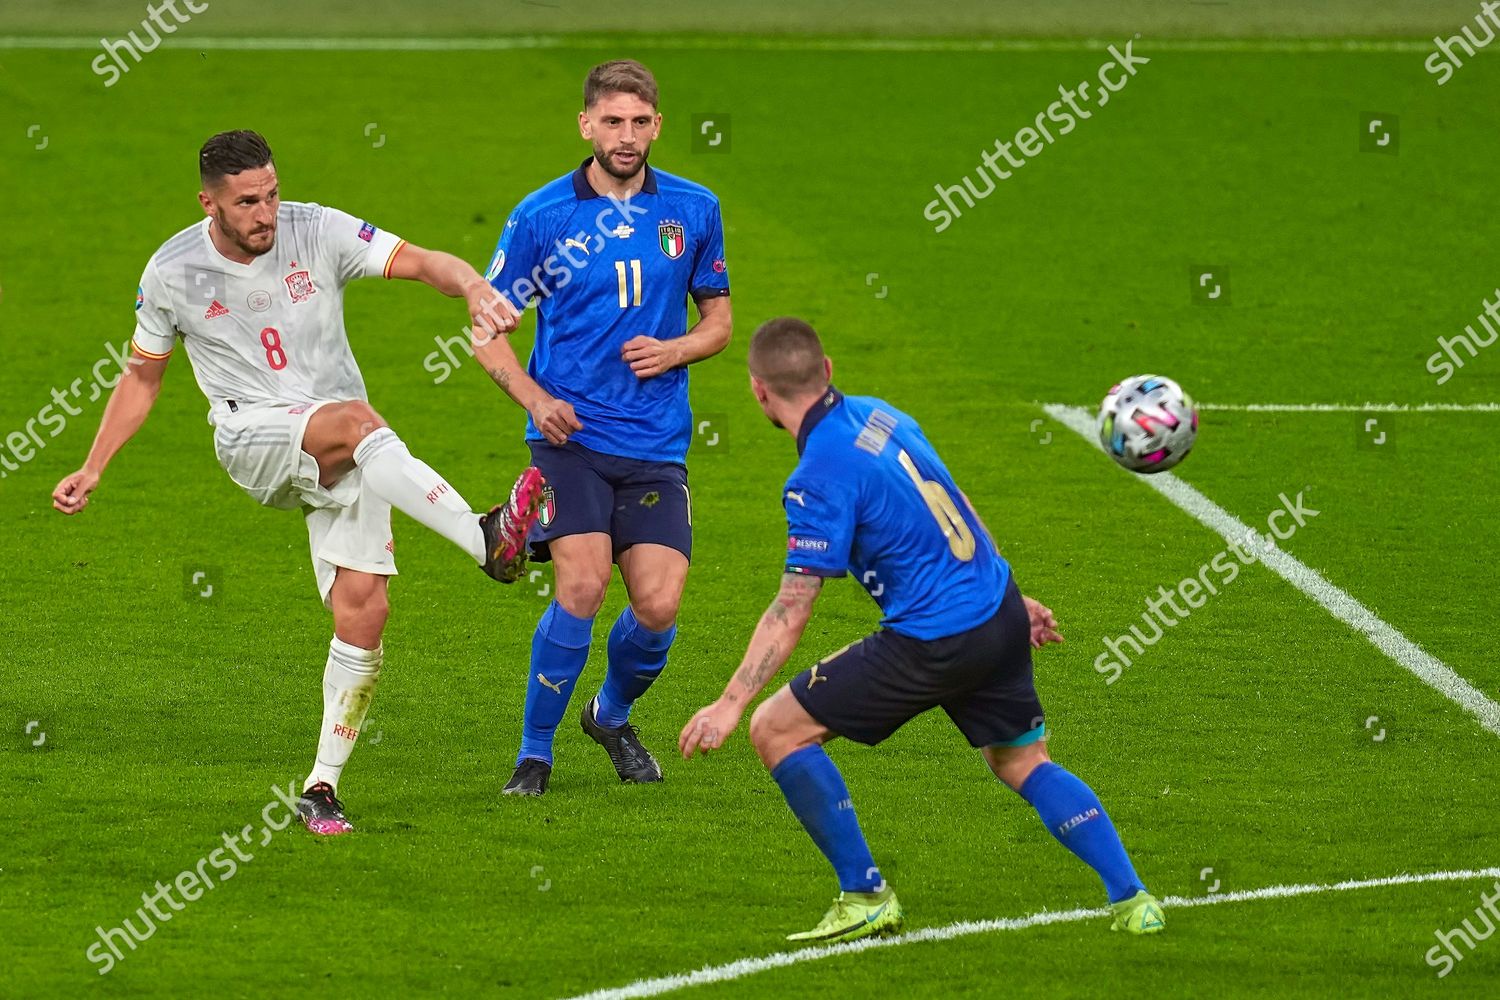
(516, 267)
(820, 522)
(710, 275)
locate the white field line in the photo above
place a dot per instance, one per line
(1344, 407)
(750, 966)
(733, 42)
(1423, 665)
(1354, 407)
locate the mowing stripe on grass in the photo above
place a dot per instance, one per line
(743, 42)
(1424, 666)
(750, 966)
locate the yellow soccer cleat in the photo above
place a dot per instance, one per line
(855, 915)
(1140, 914)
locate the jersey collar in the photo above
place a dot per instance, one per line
(583, 190)
(815, 415)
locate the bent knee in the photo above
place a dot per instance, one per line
(361, 419)
(773, 732)
(581, 598)
(1013, 765)
(656, 611)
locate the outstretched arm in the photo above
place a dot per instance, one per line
(778, 633)
(126, 411)
(456, 278)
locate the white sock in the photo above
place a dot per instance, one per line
(348, 685)
(409, 485)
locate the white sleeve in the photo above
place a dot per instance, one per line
(355, 247)
(155, 319)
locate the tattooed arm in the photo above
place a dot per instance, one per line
(778, 633)
(553, 417)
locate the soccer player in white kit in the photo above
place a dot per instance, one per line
(256, 291)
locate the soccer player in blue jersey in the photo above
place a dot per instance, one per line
(611, 253)
(870, 496)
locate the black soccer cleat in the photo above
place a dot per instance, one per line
(530, 778)
(505, 527)
(322, 812)
(633, 762)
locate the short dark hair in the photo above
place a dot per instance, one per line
(231, 153)
(787, 356)
(621, 76)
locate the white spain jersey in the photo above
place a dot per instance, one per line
(272, 330)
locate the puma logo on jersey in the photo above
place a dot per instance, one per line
(570, 242)
(815, 678)
(216, 310)
(555, 687)
(797, 496)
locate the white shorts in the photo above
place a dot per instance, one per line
(260, 446)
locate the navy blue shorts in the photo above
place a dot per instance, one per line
(630, 500)
(981, 678)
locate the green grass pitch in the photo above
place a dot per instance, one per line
(1236, 743)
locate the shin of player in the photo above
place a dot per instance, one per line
(360, 610)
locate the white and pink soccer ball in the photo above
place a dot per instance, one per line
(1147, 423)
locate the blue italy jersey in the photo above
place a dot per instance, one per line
(871, 497)
(604, 270)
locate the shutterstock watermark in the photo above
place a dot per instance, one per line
(570, 256)
(1223, 567)
(22, 445)
(1446, 361)
(1445, 61)
(111, 65)
(943, 210)
(1445, 955)
(190, 883)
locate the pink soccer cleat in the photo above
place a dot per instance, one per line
(322, 812)
(506, 526)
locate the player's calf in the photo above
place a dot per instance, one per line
(1074, 816)
(637, 656)
(349, 436)
(361, 607)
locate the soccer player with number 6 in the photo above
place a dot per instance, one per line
(255, 291)
(870, 496)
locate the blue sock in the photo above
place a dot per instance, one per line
(559, 649)
(1073, 815)
(817, 794)
(636, 658)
